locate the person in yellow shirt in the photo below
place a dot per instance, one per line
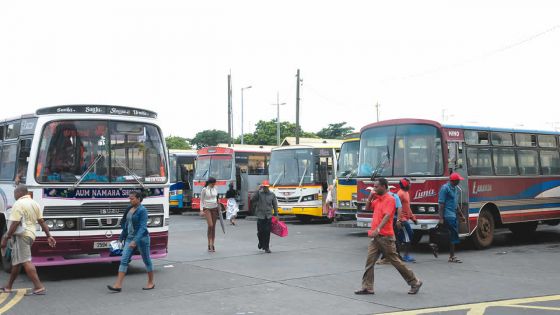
(25, 214)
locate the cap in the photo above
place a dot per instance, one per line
(455, 176)
(265, 183)
(404, 182)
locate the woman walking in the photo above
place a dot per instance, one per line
(135, 235)
(209, 209)
(232, 208)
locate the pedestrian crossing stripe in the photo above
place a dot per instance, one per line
(480, 308)
(9, 300)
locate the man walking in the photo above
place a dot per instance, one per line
(383, 241)
(403, 226)
(265, 204)
(25, 213)
(448, 210)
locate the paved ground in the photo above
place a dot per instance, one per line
(312, 271)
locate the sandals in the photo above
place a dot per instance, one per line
(363, 292)
(454, 259)
(42, 291)
(415, 288)
(153, 287)
(4, 290)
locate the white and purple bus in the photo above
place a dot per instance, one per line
(512, 177)
(80, 162)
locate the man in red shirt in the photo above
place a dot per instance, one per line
(383, 241)
(405, 233)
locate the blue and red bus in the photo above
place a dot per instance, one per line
(512, 177)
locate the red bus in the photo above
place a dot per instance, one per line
(512, 177)
(246, 166)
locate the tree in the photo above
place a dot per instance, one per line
(209, 138)
(335, 131)
(265, 133)
(178, 143)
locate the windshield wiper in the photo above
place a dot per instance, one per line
(279, 176)
(381, 166)
(97, 158)
(130, 172)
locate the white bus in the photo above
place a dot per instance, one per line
(80, 162)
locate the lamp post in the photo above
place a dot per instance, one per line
(245, 88)
(278, 104)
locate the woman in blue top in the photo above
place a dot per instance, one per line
(135, 235)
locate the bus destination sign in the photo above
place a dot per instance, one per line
(97, 109)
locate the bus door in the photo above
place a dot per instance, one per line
(326, 173)
(457, 164)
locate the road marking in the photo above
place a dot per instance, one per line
(19, 294)
(480, 308)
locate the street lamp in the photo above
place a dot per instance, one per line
(245, 88)
(278, 104)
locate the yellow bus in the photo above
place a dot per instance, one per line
(300, 175)
(345, 188)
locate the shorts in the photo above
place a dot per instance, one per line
(405, 234)
(21, 249)
(453, 228)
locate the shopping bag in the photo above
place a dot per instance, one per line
(115, 248)
(439, 235)
(279, 228)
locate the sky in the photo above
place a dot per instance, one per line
(491, 63)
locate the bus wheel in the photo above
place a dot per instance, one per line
(303, 218)
(523, 230)
(176, 211)
(6, 263)
(484, 233)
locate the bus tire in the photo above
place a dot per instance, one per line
(176, 211)
(6, 263)
(483, 235)
(303, 218)
(523, 230)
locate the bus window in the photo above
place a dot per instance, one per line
(504, 162)
(12, 131)
(417, 151)
(479, 161)
(1, 133)
(547, 141)
(473, 137)
(23, 160)
(257, 165)
(528, 161)
(502, 139)
(8, 161)
(525, 140)
(550, 162)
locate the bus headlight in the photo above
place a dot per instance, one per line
(50, 224)
(432, 209)
(59, 224)
(221, 196)
(354, 197)
(172, 192)
(155, 221)
(70, 224)
(150, 220)
(422, 209)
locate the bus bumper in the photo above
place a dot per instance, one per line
(79, 250)
(311, 211)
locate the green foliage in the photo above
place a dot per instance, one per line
(177, 143)
(208, 138)
(335, 131)
(265, 133)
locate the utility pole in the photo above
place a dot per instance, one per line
(377, 110)
(278, 104)
(297, 107)
(230, 114)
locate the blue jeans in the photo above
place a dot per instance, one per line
(405, 234)
(143, 246)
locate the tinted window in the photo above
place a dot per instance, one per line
(550, 162)
(502, 139)
(12, 131)
(8, 161)
(479, 161)
(504, 162)
(525, 140)
(547, 141)
(528, 161)
(477, 137)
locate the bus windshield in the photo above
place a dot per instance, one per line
(348, 159)
(124, 152)
(290, 167)
(402, 150)
(217, 166)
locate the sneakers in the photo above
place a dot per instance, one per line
(267, 251)
(408, 258)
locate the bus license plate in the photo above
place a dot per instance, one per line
(288, 209)
(97, 245)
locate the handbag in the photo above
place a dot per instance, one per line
(115, 248)
(439, 235)
(279, 228)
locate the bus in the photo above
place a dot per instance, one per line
(300, 175)
(345, 188)
(512, 177)
(244, 166)
(181, 171)
(80, 163)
